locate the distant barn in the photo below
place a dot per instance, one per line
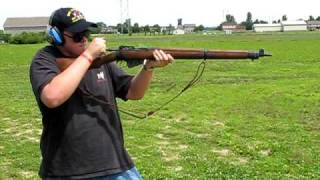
(283, 26)
(16, 25)
(267, 27)
(229, 27)
(294, 26)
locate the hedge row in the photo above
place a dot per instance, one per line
(24, 38)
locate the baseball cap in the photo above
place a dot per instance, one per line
(70, 19)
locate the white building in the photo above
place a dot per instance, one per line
(229, 26)
(267, 27)
(313, 25)
(283, 26)
(189, 28)
(294, 26)
(17, 25)
(178, 31)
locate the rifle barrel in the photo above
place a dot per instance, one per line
(135, 56)
(147, 53)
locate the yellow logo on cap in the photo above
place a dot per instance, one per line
(75, 15)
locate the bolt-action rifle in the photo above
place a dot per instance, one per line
(135, 56)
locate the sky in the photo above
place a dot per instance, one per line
(164, 12)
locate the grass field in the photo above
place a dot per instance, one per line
(243, 120)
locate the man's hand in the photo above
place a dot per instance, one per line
(96, 47)
(161, 59)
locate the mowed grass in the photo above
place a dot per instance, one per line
(243, 120)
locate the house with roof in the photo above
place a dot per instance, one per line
(225, 26)
(189, 28)
(184, 28)
(229, 27)
(16, 25)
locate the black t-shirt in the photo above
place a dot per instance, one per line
(82, 137)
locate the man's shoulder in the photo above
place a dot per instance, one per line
(45, 56)
(48, 50)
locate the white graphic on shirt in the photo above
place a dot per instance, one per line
(100, 76)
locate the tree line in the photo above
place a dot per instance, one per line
(248, 23)
(127, 28)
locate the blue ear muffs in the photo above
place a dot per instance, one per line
(54, 36)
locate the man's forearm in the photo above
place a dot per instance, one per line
(63, 85)
(139, 85)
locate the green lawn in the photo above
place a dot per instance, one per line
(243, 120)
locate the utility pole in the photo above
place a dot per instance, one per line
(124, 15)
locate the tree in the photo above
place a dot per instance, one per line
(156, 28)
(249, 22)
(199, 28)
(146, 29)
(125, 28)
(284, 18)
(101, 24)
(101, 27)
(263, 22)
(4, 37)
(318, 18)
(257, 21)
(311, 18)
(170, 29)
(135, 28)
(230, 18)
(122, 27)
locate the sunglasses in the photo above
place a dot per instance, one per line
(78, 37)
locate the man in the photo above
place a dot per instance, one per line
(82, 134)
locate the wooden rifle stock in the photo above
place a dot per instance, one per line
(135, 56)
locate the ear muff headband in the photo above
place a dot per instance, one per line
(54, 35)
